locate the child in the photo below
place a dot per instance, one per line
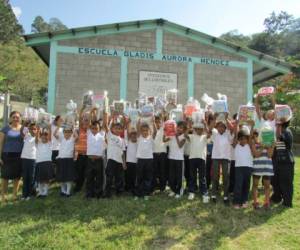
(209, 118)
(131, 161)
(176, 151)
(116, 159)
(95, 168)
(66, 169)
(187, 149)
(55, 143)
(283, 167)
(198, 143)
(262, 167)
(44, 167)
(159, 157)
(222, 140)
(144, 155)
(243, 169)
(28, 157)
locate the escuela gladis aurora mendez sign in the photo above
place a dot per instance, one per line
(152, 56)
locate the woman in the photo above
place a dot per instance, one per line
(11, 144)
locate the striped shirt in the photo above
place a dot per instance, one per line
(262, 165)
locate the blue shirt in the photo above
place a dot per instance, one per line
(13, 141)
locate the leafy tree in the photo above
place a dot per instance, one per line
(9, 27)
(40, 25)
(278, 23)
(235, 37)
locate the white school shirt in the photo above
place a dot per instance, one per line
(198, 146)
(96, 143)
(159, 145)
(131, 152)
(222, 144)
(145, 147)
(187, 148)
(29, 148)
(55, 142)
(115, 147)
(66, 149)
(175, 153)
(243, 156)
(43, 152)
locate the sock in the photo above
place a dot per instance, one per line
(69, 186)
(45, 188)
(63, 188)
(39, 188)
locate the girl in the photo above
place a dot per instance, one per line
(44, 167)
(115, 159)
(262, 167)
(283, 166)
(187, 149)
(198, 143)
(95, 168)
(243, 169)
(28, 157)
(55, 143)
(65, 159)
(131, 161)
(222, 140)
(176, 151)
(144, 155)
(159, 156)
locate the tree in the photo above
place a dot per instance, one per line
(40, 25)
(235, 37)
(278, 23)
(9, 27)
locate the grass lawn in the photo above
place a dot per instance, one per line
(160, 223)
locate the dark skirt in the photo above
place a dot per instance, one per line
(65, 170)
(12, 166)
(44, 171)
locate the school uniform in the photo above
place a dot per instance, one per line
(44, 167)
(243, 172)
(114, 168)
(55, 142)
(95, 166)
(187, 176)
(197, 157)
(283, 169)
(160, 166)
(176, 158)
(209, 162)
(131, 167)
(221, 156)
(65, 160)
(144, 169)
(28, 157)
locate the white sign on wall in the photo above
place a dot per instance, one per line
(156, 83)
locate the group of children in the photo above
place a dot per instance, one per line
(112, 155)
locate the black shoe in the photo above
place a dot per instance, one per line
(226, 202)
(214, 199)
(62, 194)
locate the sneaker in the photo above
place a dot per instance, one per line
(205, 199)
(171, 194)
(191, 196)
(136, 198)
(177, 196)
(27, 198)
(23, 198)
(146, 198)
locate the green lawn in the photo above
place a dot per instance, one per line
(160, 223)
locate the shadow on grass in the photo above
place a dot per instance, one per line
(159, 223)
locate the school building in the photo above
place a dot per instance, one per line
(149, 56)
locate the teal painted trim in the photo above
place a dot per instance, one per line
(223, 47)
(250, 81)
(123, 77)
(156, 56)
(191, 75)
(159, 40)
(52, 78)
(88, 33)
